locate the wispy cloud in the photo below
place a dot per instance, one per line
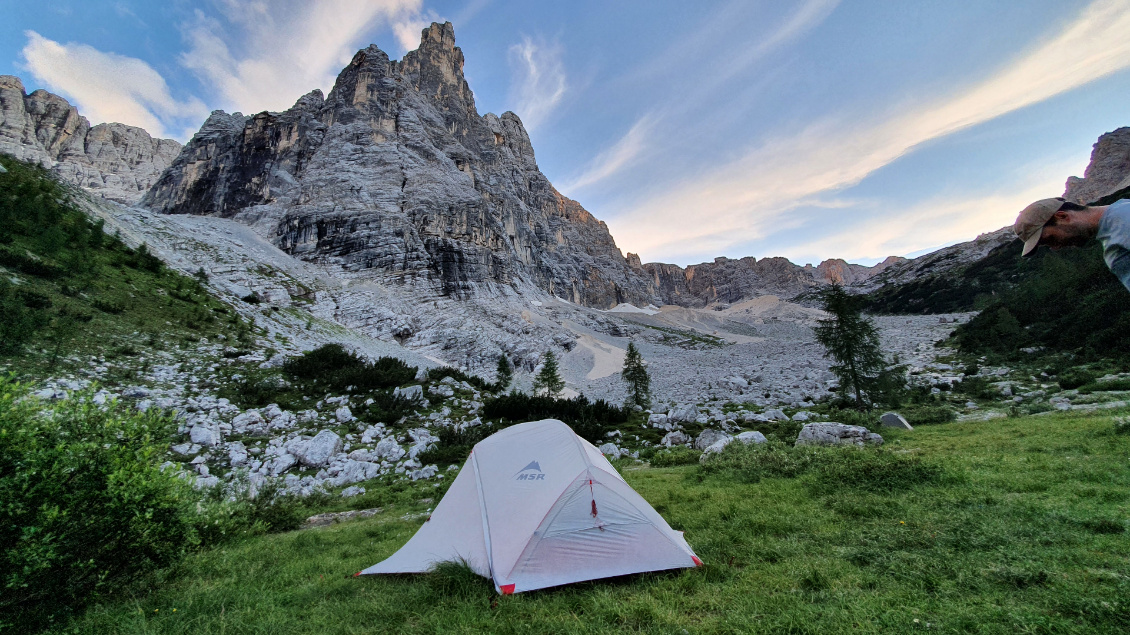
(737, 202)
(932, 223)
(107, 87)
(616, 157)
(538, 81)
(702, 86)
(409, 27)
(285, 47)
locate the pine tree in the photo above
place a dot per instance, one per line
(635, 375)
(504, 373)
(548, 379)
(852, 342)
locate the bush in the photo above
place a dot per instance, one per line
(678, 455)
(388, 408)
(455, 445)
(232, 511)
(1101, 386)
(1075, 377)
(436, 374)
(926, 414)
(331, 367)
(84, 507)
(589, 419)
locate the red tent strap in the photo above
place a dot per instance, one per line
(594, 507)
(507, 589)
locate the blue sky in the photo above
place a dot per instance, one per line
(810, 129)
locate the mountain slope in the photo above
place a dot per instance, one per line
(395, 175)
(110, 160)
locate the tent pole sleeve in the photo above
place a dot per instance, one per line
(483, 512)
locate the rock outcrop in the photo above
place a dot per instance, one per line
(729, 281)
(1108, 171)
(110, 160)
(394, 175)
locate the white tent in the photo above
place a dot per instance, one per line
(536, 506)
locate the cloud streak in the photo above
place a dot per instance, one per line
(538, 83)
(619, 155)
(737, 202)
(107, 87)
(287, 47)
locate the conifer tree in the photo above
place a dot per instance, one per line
(635, 375)
(851, 341)
(548, 379)
(504, 373)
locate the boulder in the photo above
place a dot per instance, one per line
(714, 448)
(317, 451)
(388, 449)
(409, 392)
(683, 414)
(343, 414)
(610, 450)
(895, 420)
(832, 433)
(677, 437)
(204, 434)
(803, 415)
(751, 436)
(776, 415)
(710, 437)
(283, 463)
(657, 420)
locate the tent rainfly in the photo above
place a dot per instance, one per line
(537, 506)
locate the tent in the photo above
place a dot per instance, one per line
(537, 506)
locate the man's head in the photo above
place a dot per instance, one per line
(1055, 223)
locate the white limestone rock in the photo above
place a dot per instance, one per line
(832, 433)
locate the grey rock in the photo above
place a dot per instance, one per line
(803, 416)
(409, 392)
(894, 420)
(677, 437)
(832, 433)
(683, 414)
(714, 448)
(317, 451)
(207, 435)
(109, 160)
(396, 174)
(1107, 172)
(751, 436)
(610, 450)
(708, 438)
(283, 463)
(352, 491)
(343, 414)
(776, 415)
(657, 420)
(388, 449)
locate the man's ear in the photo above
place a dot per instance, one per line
(1061, 216)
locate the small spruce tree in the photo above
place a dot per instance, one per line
(504, 373)
(851, 341)
(635, 375)
(548, 381)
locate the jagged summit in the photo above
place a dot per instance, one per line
(110, 160)
(394, 174)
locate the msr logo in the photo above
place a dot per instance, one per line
(531, 472)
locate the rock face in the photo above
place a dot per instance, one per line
(729, 281)
(836, 434)
(1107, 173)
(111, 160)
(395, 175)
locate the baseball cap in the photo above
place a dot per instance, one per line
(1030, 224)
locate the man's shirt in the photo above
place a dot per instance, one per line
(1114, 234)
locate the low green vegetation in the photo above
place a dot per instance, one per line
(1013, 525)
(66, 287)
(590, 419)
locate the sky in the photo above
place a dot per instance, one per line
(809, 129)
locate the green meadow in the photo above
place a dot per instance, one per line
(1015, 525)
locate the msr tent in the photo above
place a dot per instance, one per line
(537, 506)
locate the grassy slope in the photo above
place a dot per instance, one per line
(1028, 536)
(90, 298)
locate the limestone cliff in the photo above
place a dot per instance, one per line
(1108, 171)
(110, 160)
(395, 175)
(728, 281)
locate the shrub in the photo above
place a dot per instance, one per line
(455, 445)
(331, 367)
(388, 408)
(927, 414)
(436, 374)
(589, 419)
(678, 455)
(234, 510)
(1100, 386)
(84, 507)
(1122, 425)
(1075, 377)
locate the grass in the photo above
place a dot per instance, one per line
(1014, 525)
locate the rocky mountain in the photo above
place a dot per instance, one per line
(394, 175)
(1108, 171)
(110, 160)
(728, 281)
